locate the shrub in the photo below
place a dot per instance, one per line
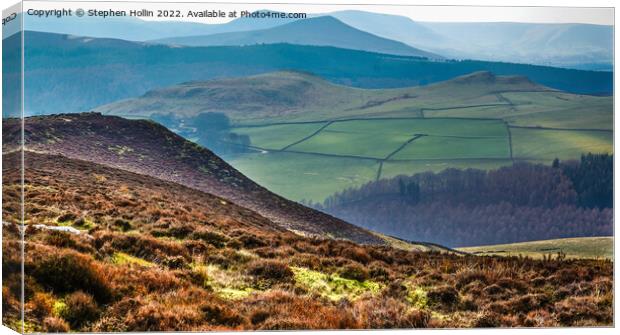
(123, 225)
(270, 270)
(69, 271)
(174, 262)
(250, 241)
(576, 310)
(386, 313)
(469, 276)
(528, 302)
(356, 253)
(80, 309)
(259, 316)
(54, 324)
(66, 217)
(41, 305)
(487, 320)
(378, 272)
(217, 314)
(444, 296)
(306, 261)
(215, 239)
(283, 310)
(355, 272)
(159, 317)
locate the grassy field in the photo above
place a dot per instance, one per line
(356, 135)
(278, 136)
(349, 153)
(314, 160)
(301, 176)
(538, 144)
(438, 147)
(581, 247)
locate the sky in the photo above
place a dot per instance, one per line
(417, 13)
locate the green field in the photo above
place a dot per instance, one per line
(445, 148)
(278, 136)
(314, 160)
(302, 176)
(342, 137)
(535, 144)
(581, 247)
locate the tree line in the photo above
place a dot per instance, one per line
(472, 207)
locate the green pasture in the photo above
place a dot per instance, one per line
(580, 247)
(536, 144)
(304, 176)
(276, 137)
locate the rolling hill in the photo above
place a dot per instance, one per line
(147, 148)
(88, 72)
(297, 96)
(318, 31)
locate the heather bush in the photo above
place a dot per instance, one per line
(80, 309)
(354, 271)
(387, 313)
(40, 305)
(219, 314)
(54, 324)
(215, 239)
(443, 296)
(269, 270)
(69, 271)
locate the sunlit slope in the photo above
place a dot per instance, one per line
(580, 247)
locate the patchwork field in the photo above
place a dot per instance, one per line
(312, 160)
(326, 157)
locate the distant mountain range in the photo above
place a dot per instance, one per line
(134, 29)
(581, 46)
(320, 31)
(88, 72)
(584, 46)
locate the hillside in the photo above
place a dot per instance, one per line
(150, 149)
(89, 72)
(319, 31)
(113, 251)
(298, 96)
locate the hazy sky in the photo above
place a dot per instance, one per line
(418, 13)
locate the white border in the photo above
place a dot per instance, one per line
(569, 3)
